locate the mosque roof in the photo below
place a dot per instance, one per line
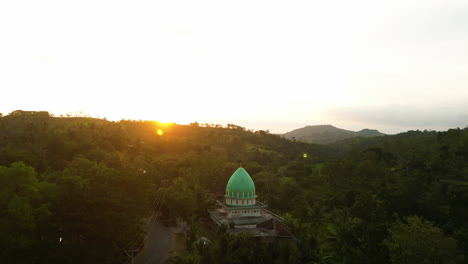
(240, 182)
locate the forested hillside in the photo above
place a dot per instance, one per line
(75, 190)
(326, 134)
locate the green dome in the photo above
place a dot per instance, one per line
(240, 185)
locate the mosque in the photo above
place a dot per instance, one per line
(241, 213)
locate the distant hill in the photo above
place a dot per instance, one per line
(325, 134)
(369, 133)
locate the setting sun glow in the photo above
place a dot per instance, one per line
(354, 64)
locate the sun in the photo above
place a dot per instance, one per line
(160, 132)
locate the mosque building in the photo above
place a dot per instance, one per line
(241, 213)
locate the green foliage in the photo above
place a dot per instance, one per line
(225, 248)
(185, 200)
(24, 211)
(416, 240)
(86, 179)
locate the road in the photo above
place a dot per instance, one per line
(160, 241)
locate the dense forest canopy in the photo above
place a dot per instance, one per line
(67, 184)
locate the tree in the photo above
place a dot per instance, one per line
(416, 240)
(24, 209)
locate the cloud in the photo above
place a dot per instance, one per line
(261, 64)
(404, 117)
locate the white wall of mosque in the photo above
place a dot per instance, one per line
(230, 201)
(240, 195)
(244, 212)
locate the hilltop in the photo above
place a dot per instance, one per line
(326, 134)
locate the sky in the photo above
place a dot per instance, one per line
(276, 65)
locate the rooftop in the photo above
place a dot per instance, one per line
(268, 225)
(221, 218)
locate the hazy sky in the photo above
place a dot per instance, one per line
(278, 65)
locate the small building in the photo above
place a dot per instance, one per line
(243, 214)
